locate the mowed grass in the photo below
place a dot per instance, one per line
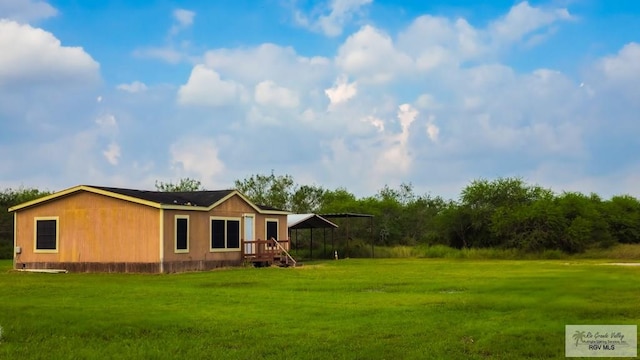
(346, 309)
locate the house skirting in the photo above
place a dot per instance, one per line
(198, 265)
(128, 267)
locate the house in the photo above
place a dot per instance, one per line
(95, 228)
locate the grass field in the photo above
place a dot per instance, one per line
(346, 309)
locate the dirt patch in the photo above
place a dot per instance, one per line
(623, 264)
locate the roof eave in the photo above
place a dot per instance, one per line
(83, 188)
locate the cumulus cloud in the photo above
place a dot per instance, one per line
(433, 131)
(206, 88)
(369, 55)
(437, 41)
(268, 93)
(524, 20)
(619, 73)
(341, 91)
(277, 63)
(339, 13)
(435, 103)
(30, 55)
(197, 157)
(396, 156)
(134, 87)
(26, 10)
(375, 122)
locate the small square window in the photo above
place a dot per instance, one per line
(46, 235)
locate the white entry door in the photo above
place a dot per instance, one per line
(249, 233)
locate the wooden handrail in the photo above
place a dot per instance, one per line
(273, 247)
(285, 251)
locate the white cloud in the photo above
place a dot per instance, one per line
(433, 131)
(26, 10)
(375, 122)
(347, 117)
(206, 88)
(184, 19)
(107, 122)
(438, 41)
(197, 157)
(396, 157)
(341, 91)
(171, 52)
(134, 87)
(280, 64)
(370, 56)
(339, 13)
(523, 20)
(268, 93)
(33, 56)
(112, 153)
(619, 73)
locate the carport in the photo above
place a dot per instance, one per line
(349, 216)
(310, 221)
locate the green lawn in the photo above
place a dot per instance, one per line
(346, 309)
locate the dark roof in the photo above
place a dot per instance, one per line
(161, 199)
(268, 208)
(189, 198)
(346, 215)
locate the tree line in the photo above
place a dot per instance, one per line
(502, 213)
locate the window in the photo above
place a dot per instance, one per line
(225, 234)
(271, 230)
(46, 234)
(182, 234)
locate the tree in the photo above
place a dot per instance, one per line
(503, 196)
(338, 200)
(270, 190)
(8, 198)
(307, 199)
(183, 185)
(623, 216)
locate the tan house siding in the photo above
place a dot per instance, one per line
(200, 256)
(92, 229)
(125, 230)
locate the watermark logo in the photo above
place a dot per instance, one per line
(601, 340)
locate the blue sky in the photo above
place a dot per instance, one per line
(343, 93)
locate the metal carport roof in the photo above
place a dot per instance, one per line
(308, 221)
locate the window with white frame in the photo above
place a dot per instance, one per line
(271, 231)
(46, 234)
(182, 234)
(225, 234)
